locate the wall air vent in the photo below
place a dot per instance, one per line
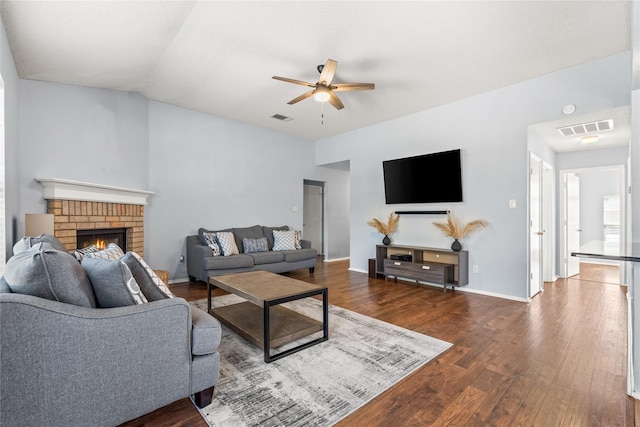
(282, 118)
(584, 128)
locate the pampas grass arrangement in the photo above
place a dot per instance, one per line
(453, 228)
(388, 227)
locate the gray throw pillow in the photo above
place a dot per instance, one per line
(3, 285)
(49, 273)
(112, 282)
(28, 242)
(255, 245)
(240, 233)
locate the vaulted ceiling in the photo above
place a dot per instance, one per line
(218, 57)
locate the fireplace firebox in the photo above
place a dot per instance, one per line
(102, 237)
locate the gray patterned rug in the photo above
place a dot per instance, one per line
(320, 385)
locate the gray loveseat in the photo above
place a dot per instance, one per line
(201, 262)
(65, 362)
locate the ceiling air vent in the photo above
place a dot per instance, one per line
(584, 128)
(282, 118)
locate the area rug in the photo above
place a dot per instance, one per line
(317, 386)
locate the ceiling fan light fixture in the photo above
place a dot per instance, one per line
(321, 94)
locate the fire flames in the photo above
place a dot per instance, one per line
(100, 244)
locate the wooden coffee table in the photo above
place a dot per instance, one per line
(260, 319)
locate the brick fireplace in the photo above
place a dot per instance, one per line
(84, 206)
(73, 215)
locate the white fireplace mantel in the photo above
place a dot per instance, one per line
(66, 189)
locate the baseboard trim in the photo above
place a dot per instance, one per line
(337, 259)
(492, 294)
(358, 270)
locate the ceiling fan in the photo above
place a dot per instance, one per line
(323, 90)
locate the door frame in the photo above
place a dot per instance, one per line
(563, 195)
(536, 209)
(547, 222)
(321, 185)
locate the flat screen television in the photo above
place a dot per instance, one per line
(429, 178)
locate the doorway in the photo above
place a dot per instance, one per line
(592, 208)
(541, 230)
(313, 214)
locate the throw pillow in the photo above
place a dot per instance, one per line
(255, 245)
(210, 238)
(227, 243)
(49, 273)
(201, 232)
(152, 286)
(286, 240)
(268, 233)
(111, 252)
(80, 253)
(112, 282)
(28, 242)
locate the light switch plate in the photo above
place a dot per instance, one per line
(512, 203)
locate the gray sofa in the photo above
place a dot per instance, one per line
(201, 263)
(65, 362)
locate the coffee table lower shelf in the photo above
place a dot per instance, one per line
(247, 320)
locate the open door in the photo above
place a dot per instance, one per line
(536, 230)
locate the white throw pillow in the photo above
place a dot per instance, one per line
(286, 240)
(153, 276)
(111, 252)
(227, 243)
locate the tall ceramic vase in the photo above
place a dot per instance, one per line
(386, 240)
(456, 246)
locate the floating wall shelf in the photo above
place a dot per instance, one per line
(421, 212)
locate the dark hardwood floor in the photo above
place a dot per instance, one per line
(560, 360)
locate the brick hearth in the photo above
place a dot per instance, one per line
(73, 215)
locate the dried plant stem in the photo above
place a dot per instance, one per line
(453, 228)
(386, 228)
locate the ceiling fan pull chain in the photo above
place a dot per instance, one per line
(322, 113)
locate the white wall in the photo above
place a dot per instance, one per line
(491, 130)
(592, 158)
(216, 173)
(594, 186)
(206, 171)
(11, 154)
(79, 133)
(634, 155)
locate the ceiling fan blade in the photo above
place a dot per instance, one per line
(335, 101)
(328, 71)
(345, 87)
(301, 97)
(298, 82)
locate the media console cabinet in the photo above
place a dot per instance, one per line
(432, 265)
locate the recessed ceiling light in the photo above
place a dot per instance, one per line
(589, 139)
(568, 109)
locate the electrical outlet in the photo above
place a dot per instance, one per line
(181, 259)
(475, 269)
